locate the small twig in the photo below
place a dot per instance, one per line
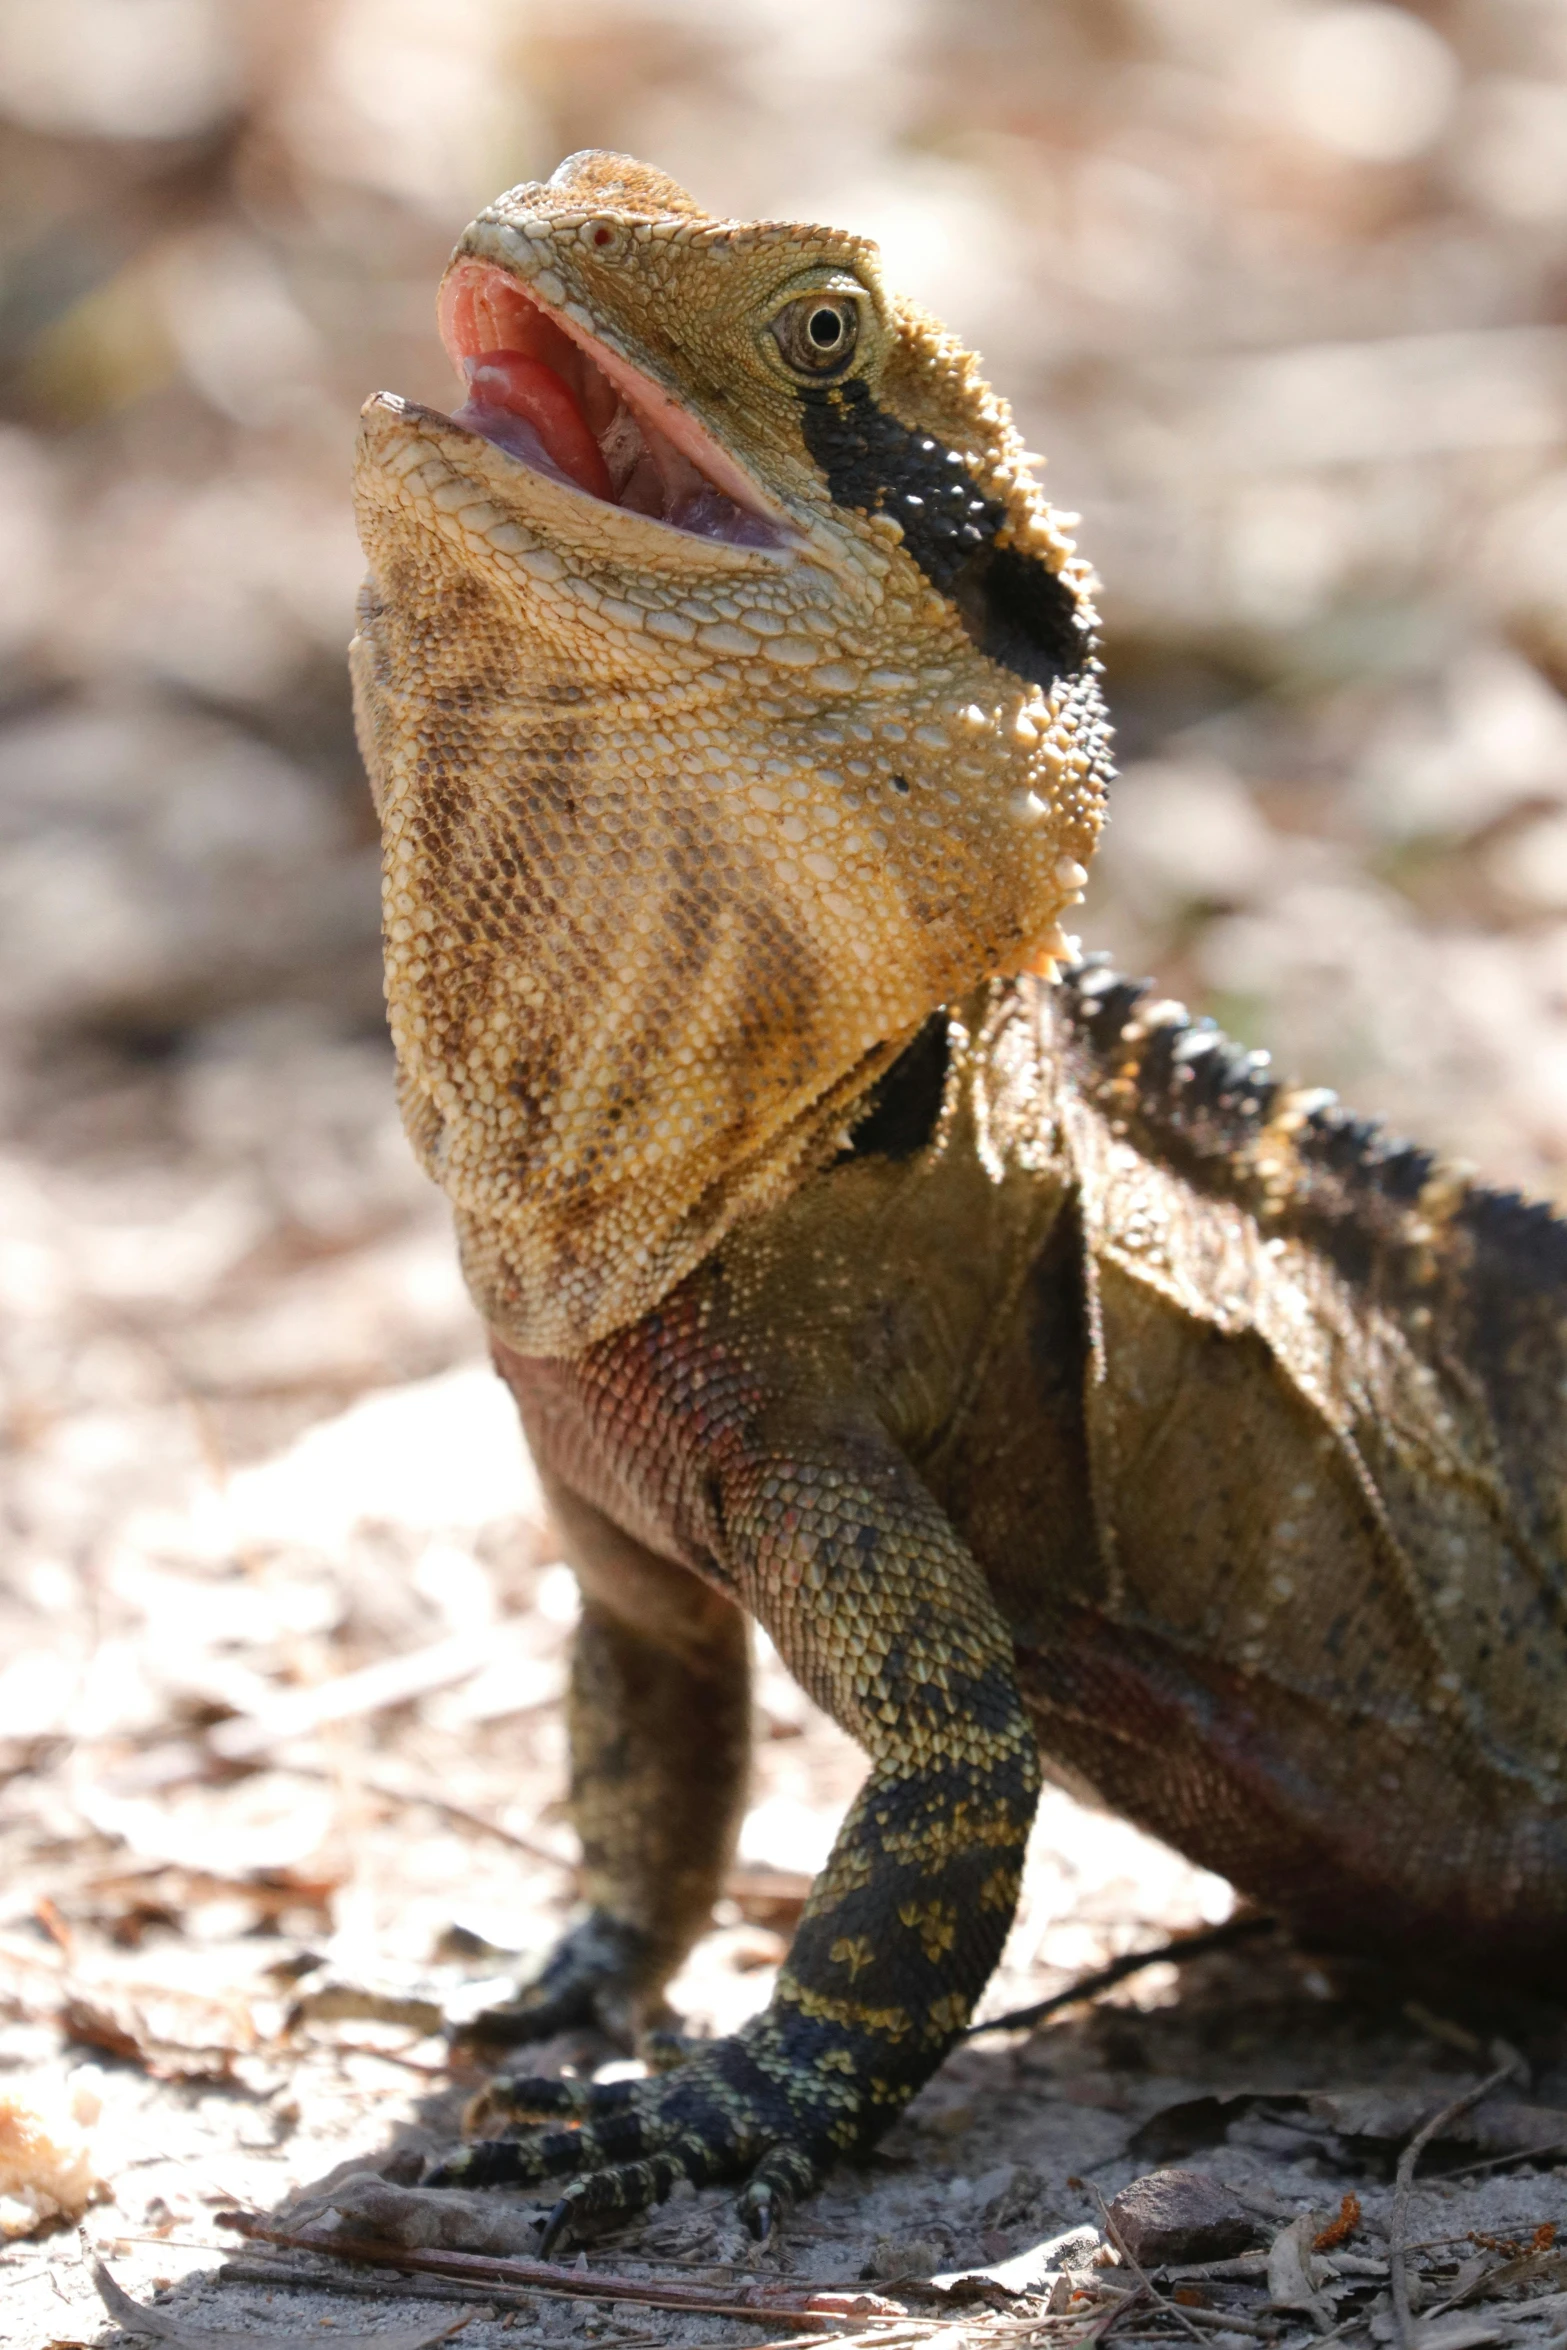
(751, 2275)
(545, 2276)
(432, 1800)
(1229, 2321)
(1174, 1953)
(168, 2243)
(1469, 2170)
(1442, 2027)
(743, 1883)
(1101, 2325)
(1398, 2274)
(1225, 2320)
(346, 1697)
(1463, 2235)
(409, 2064)
(1347, 2325)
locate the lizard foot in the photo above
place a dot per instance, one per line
(736, 2109)
(593, 1976)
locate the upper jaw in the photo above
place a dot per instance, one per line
(572, 414)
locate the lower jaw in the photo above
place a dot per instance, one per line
(701, 511)
(561, 416)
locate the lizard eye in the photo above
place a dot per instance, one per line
(817, 335)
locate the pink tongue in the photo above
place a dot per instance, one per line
(514, 383)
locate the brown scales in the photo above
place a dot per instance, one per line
(1061, 1393)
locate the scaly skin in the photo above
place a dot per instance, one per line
(1060, 1394)
(684, 838)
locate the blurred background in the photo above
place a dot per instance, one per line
(1280, 288)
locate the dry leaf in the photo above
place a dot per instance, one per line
(46, 2166)
(1381, 2117)
(177, 2035)
(425, 2218)
(1295, 2274)
(1545, 2267)
(1455, 2333)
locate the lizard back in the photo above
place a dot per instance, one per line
(1322, 1643)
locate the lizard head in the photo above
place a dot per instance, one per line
(727, 690)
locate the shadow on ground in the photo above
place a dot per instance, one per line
(1250, 2067)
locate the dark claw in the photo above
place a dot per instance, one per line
(783, 2175)
(554, 2228)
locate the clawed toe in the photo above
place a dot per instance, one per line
(783, 2175)
(627, 2188)
(612, 2134)
(508, 2162)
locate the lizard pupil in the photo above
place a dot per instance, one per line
(817, 338)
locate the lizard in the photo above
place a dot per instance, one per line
(1065, 1396)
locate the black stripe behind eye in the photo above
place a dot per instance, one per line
(876, 465)
(1022, 614)
(1015, 608)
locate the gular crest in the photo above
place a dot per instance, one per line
(727, 692)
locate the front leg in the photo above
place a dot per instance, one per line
(885, 1618)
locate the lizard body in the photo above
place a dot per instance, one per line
(1060, 1393)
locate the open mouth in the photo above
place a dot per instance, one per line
(568, 408)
